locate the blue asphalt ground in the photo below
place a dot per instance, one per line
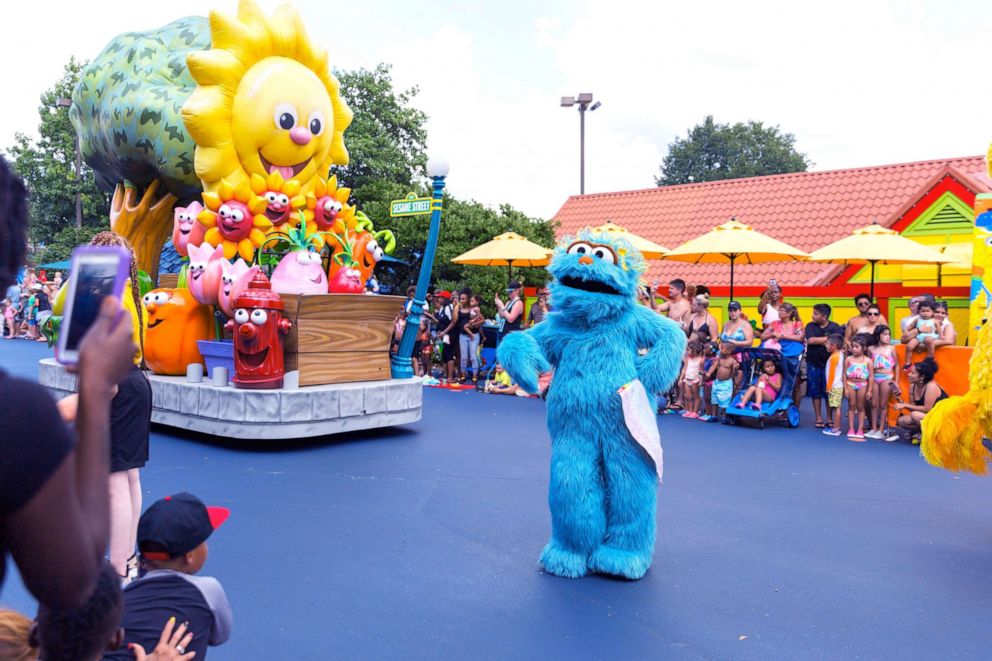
(421, 543)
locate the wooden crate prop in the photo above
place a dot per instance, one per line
(340, 338)
(168, 280)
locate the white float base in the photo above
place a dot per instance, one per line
(267, 414)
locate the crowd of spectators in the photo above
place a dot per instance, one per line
(855, 361)
(27, 303)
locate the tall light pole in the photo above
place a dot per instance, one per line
(402, 361)
(584, 102)
(67, 103)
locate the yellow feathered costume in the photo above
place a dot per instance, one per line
(954, 428)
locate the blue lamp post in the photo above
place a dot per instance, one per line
(402, 365)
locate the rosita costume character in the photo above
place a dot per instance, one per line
(607, 352)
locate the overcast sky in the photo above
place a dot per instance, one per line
(859, 83)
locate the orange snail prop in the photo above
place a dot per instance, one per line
(260, 330)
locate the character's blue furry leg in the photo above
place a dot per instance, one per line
(632, 493)
(575, 496)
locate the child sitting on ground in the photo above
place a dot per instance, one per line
(500, 383)
(172, 541)
(835, 382)
(767, 387)
(723, 371)
(691, 378)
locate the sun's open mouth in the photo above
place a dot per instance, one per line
(287, 171)
(589, 285)
(253, 360)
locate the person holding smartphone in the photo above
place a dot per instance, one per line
(771, 301)
(51, 478)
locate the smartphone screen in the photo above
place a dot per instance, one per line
(97, 272)
(95, 282)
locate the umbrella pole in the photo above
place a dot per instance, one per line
(732, 258)
(509, 273)
(871, 290)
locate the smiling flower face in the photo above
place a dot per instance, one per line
(206, 266)
(235, 219)
(596, 275)
(281, 198)
(186, 229)
(266, 101)
(234, 280)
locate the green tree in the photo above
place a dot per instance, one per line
(387, 138)
(714, 151)
(47, 166)
(387, 144)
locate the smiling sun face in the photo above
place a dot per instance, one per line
(266, 102)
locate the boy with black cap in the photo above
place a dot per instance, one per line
(172, 541)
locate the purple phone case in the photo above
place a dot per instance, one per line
(123, 272)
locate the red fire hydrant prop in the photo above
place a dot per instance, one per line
(260, 330)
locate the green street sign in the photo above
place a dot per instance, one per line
(411, 206)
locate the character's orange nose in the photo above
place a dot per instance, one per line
(150, 308)
(585, 259)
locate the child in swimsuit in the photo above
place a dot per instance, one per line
(884, 379)
(926, 329)
(690, 378)
(723, 370)
(857, 375)
(767, 387)
(711, 351)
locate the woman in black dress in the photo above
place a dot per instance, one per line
(130, 427)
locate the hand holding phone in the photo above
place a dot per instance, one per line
(96, 274)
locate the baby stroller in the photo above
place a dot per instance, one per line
(783, 409)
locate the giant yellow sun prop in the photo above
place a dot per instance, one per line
(265, 103)
(235, 219)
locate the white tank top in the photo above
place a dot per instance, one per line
(771, 315)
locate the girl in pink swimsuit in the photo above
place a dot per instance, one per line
(858, 373)
(765, 389)
(691, 378)
(885, 364)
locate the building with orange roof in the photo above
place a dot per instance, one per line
(929, 201)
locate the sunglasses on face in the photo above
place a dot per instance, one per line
(863, 304)
(873, 314)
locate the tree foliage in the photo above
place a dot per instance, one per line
(47, 165)
(712, 151)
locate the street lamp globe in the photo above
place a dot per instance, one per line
(437, 167)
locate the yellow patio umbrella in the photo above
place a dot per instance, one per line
(874, 244)
(648, 249)
(732, 241)
(508, 249)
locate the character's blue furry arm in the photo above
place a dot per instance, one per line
(523, 357)
(665, 343)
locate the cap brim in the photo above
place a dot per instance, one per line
(218, 515)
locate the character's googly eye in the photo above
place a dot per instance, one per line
(283, 200)
(378, 254)
(285, 116)
(241, 316)
(259, 317)
(604, 254)
(147, 298)
(271, 197)
(227, 279)
(161, 298)
(315, 258)
(580, 248)
(316, 122)
(988, 242)
(238, 215)
(337, 205)
(303, 258)
(225, 211)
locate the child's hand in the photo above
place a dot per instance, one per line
(868, 394)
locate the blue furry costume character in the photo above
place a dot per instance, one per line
(603, 489)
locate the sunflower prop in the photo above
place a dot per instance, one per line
(266, 101)
(235, 218)
(328, 209)
(281, 198)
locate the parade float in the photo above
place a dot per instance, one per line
(220, 133)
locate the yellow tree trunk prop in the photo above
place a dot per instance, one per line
(145, 224)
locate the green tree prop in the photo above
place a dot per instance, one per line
(714, 151)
